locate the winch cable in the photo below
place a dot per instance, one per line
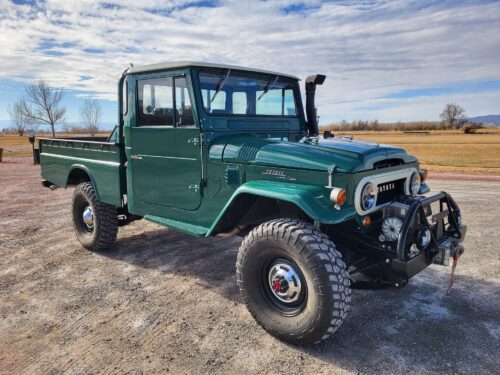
(452, 276)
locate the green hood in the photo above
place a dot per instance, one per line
(347, 155)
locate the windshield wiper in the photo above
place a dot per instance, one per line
(268, 87)
(220, 85)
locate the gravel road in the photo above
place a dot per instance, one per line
(161, 301)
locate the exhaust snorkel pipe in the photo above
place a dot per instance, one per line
(312, 120)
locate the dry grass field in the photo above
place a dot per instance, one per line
(439, 151)
(446, 151)
(13, 145)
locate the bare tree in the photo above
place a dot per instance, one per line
(42, 103)
(453, 116)
(91, 114)
(21, 122)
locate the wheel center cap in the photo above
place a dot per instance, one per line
(280, 286)
(88, 217)
(284, 282)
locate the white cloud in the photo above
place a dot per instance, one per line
(367, 49)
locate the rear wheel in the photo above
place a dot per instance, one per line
(95, 223)
(293, 281)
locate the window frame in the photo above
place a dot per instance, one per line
(173, 76)
(125, 98)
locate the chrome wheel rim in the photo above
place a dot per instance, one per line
(88, 218)
(284, 282)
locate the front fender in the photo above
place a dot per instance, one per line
(308, 198)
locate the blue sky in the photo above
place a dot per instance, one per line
(393, 60)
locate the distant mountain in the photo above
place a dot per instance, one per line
(489, 119)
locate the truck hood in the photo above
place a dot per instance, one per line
(347, 155)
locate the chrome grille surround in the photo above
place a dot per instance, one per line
(378, 179)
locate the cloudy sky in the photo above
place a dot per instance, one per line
(392, 60)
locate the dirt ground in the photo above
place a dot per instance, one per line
(160, 301)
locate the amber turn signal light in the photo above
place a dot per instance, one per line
(424, 173)
(367, 221)
(338, 196)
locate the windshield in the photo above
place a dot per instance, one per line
(233, 93)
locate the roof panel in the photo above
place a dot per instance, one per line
(186, 64)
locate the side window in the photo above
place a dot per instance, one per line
(184, 109)
(240, 103)
(155, 102)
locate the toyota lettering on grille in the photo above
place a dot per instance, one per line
(386, 187)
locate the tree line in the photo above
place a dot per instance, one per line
(452, 117)
(41, 105)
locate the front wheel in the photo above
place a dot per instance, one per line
(95, 223)
(293, 281)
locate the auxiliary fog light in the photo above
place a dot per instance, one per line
(424, 238)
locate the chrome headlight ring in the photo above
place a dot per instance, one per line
(368, 196)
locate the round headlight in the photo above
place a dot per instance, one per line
(368, 196)
(415, 183)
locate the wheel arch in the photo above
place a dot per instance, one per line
(258, 201)
(249, 210)
(80, 173)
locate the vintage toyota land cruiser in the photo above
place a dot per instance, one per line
(223, 150)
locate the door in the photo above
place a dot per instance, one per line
(165, 144)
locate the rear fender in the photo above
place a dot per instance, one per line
(81, 167)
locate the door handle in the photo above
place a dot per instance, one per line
(136, 157)
(194, 141)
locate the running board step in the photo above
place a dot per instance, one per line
(193, 230)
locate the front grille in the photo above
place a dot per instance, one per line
(389, 191)
(387, 163)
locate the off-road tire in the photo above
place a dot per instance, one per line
(105, 227)
(319, 263)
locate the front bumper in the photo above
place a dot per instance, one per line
(392, 264)
(447, 235)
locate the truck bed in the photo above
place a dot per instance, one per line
(64, 160)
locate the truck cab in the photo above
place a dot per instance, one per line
(211, 149)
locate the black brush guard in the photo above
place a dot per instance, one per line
(445, 242)
(393, 266)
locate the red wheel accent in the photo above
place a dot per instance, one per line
(276, 286)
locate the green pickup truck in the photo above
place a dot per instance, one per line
(217, 150)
